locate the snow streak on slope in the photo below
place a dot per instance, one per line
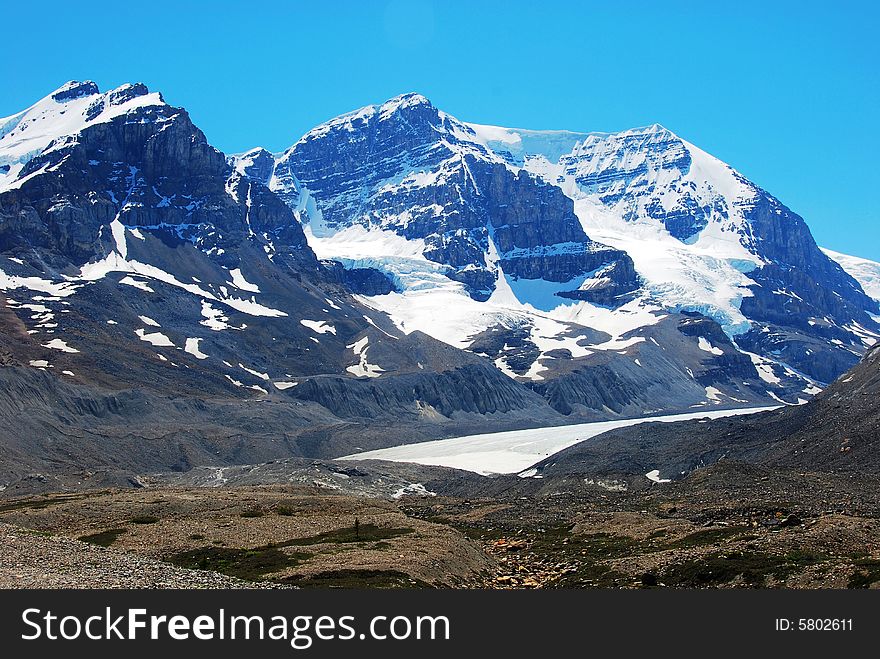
(864, 271)
(707, 276)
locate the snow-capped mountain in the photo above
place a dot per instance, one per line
(729, 249)
(557, 253)
(142, 274)
(59, 117)
(395, 275)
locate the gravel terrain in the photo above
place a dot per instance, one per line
(30, 559)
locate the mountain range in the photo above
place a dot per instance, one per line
(395, 275)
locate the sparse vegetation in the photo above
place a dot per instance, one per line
(250, 564)
(753, 568)
(361, 533)
(103, 538)
(867, 573)
(708, 536)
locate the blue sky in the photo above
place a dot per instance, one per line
(786, 92)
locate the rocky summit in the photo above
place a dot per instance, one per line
(396, 275)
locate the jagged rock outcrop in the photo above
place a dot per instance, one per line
(362, 281)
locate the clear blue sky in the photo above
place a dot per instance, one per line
(786, 92)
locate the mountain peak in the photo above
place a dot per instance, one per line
(406, 101)
(652, 130)
(257, 164)
(410, 99)
(66, 111)
(355, 119)
(656, 128)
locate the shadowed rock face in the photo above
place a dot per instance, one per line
(806, 300)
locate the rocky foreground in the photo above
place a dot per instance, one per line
(31, 559)
(727, 526)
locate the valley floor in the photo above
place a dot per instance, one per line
(729, 525)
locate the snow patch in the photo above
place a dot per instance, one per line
(413, 490)
(704, 344)
(136, 283)
(714, 394)
(363, 368)
(240, 282)
(154, 338)
(262, 376)
(59, 344)
(654, 476)
(192, 347)
(318, 326)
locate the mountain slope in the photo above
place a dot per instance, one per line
(838, 430)
(706, 239)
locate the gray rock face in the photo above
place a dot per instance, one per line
(75, 90)
(475, 388)
(256, 164)
(817, 314)
(672, 365)
(153, 170)
(600, 166)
